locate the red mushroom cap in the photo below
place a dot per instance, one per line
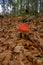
(23, 27)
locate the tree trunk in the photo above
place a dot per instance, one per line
(27, 6)
(20, 6)
(3, 7)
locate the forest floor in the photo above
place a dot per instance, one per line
(19, 51)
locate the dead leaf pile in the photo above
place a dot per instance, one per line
(18, 51)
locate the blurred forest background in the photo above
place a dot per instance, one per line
(20, 7)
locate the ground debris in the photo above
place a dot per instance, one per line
(18, 51)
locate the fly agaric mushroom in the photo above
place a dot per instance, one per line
(23, 29)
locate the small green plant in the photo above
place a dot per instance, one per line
(33, 12)
(23, 12)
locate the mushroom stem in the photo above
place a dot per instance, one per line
(24, 35)
(20, 35)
